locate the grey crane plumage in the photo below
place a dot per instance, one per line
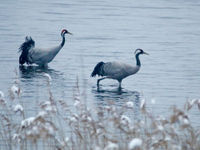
(39, 56)
(117, 70)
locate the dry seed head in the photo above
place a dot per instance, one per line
(111, 146)
(143, 103)
(125, 120)
(1, 95)
(97, 148)
(76, 103)
(17, 108)
(160, 128)
(15, 90)
(48, 106)
(135, 143)
(42, 114)
(48, 77)
(16, 137)
(129, 104)
(27, 122)
(3, 102)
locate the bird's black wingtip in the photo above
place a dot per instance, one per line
(93, 74)
(24, 49)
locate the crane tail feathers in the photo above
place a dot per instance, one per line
(98, 70)
(24, 49)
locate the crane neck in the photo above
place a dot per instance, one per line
(63, 40)
(138, 59)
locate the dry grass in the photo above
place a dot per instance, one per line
(58, 126)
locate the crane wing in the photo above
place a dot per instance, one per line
(42, 56)
(111, 68)
(118, 70)
(36, 54)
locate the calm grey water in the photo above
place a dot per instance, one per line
(106, 30)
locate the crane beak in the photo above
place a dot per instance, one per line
(145, 53)
(69, 33)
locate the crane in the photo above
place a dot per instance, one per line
(39, 56)
(117, 70)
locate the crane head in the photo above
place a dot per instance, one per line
(64, 31)
(140, 51)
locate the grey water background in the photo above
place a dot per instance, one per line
(169, 30)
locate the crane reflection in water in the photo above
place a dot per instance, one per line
(119, 98)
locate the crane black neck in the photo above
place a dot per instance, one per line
(63, 40)
(137, 59)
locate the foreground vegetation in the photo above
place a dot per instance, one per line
(58, 126)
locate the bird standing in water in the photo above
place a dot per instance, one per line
(117, 70)
(39, 56)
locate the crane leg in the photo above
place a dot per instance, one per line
(100, 80)
(120, 85)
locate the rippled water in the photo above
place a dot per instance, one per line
(105, 31)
